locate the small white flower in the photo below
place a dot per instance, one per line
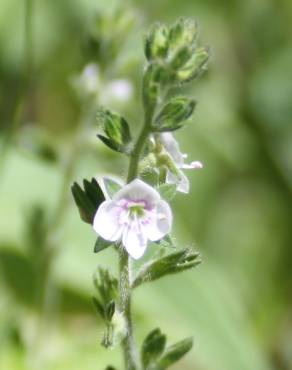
(179, 178)
(120, 90)
(90, 78)
(135, 215)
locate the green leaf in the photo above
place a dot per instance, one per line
(152, 347)
(87, 200)
(101, 244)
(19, 275)
(110, 310)
(173, 263)
(116, 128)
(111, 186)
(167, 191)
(174, 353)
(98, 307)
(174, 114)
(110, 368)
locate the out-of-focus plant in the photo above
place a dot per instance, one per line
(128, 216)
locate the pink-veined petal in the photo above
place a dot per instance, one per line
(138, 190)
(106, 221)
(158, 223)
(172, 147)
(134, 240)
(182, 182)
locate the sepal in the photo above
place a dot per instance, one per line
(111, 186)
(87, 199)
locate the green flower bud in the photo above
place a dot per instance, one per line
(117, 130)
(156, 43)
(194, 67)
(173, 115)
(181, 57)
(183, 33)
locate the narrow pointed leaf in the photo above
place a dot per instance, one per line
(174, 353)
(101, 244)
(152, 347)
(179, 261)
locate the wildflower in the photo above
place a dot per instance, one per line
(90, 78)
(120, 90)
(135, 215)
(175, 175)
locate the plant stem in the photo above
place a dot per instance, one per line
(130, 353)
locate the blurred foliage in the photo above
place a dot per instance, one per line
(237, 303)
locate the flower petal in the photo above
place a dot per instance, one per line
(182, 182)
(172, 147)
(138, 190)
(134, 240)
(158, 223)
(106, 221)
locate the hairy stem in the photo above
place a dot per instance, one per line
(130, 353)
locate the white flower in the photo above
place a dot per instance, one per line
(90, 78)
(178, 177)
(135, 215)
(120, 90)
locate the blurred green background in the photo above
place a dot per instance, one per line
(237, 304)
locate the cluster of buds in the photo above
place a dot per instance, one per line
(129, 216)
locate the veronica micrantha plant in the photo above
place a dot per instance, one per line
(129, 216)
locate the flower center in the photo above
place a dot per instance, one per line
(136, 210)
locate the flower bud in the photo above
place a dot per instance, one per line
(174, 114)
(117, 130)
(183, 33)
(194, 66)
(156, 43)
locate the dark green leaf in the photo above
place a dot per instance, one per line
(101, 244)
(110, 310)
(18, 274)
(87, 200)
(152, 347)
(99, 307)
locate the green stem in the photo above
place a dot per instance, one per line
(130, 353)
